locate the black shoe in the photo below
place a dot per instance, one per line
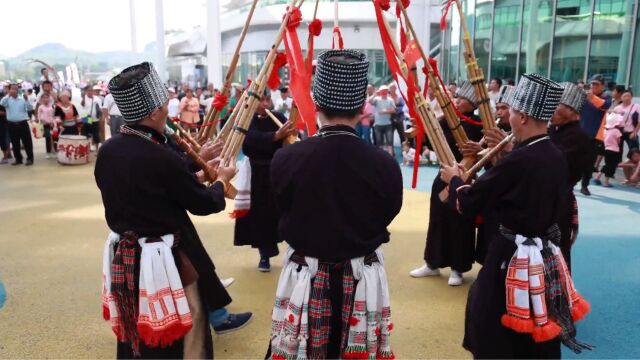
(234, 322)
(29, 163)
(264, 265)
(585, 191)
(16, 163)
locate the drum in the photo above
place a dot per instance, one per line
(73, 150)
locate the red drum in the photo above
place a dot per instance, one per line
(73, 150)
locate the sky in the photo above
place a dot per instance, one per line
(37, 22)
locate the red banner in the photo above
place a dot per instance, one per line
(300, 84)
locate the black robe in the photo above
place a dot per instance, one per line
(335, 195)
(576, 147)
(526, 190)
(487, 222)
(148, 188)
(260, 227)
(451, 236)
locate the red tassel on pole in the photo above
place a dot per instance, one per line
(445, 12)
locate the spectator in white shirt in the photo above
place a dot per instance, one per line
(174, 105)
(284, 102)
(33, 100)
(90, 112)
(112, 114)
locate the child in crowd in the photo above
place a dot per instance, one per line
(612, 136)
(631, 168)
(409, 154)
(45, 115)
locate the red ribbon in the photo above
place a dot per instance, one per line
(315, 27)
(300, 82)
(394, 66)
(274, 77)
(405, 4)
(336, 30)
(295, 18)
(403, 32)
(384, 4)
(434, 65)
(445, 12)
(219, 101)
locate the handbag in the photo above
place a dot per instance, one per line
(37, 129)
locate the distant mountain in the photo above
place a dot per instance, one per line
(59, 56)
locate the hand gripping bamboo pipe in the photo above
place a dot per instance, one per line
(439, 93)
(289, 139)
(444, 194)
(475, 74)
(210, 173)
(214, 114)
(425, 114)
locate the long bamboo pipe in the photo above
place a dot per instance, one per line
(213, 115)
(236, 138)
(475, 74)
(443, 100)
(444, 194)
(426, 115)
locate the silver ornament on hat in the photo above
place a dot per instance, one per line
(536, 96)
(506, 91)
(573, 96)
(467, 91)
(341, 86)
(138, 91)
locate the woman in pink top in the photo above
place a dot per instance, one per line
(630, 113)
(612, 136)
(45, 114)
(189, 107)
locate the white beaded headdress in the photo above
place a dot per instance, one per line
(573, 96)
(340, 83)
(536, 96)
(506, 91)
(138, 91)
(467, 91)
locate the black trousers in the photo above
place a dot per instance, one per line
(611, 161)
(4, 144)
(596, 149)
(19, 131)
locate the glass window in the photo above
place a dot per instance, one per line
(573, 20)
(634, 80)
(482, 43)
(536, 37)
(611, 39)
(505, 39)
(451, 55)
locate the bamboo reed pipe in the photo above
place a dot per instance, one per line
(214, 114)
(426, 115)
(444, 194)
(475, 74)
(187, 136)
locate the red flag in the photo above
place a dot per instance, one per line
(412, 53)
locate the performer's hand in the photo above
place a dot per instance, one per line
(226, 173)
(211, 150)
(448, 172)
(287, 129)
(470, 149)
(494, 136)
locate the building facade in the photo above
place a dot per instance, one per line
(357, 23)
(566, 40)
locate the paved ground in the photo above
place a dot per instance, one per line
(52, 231)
